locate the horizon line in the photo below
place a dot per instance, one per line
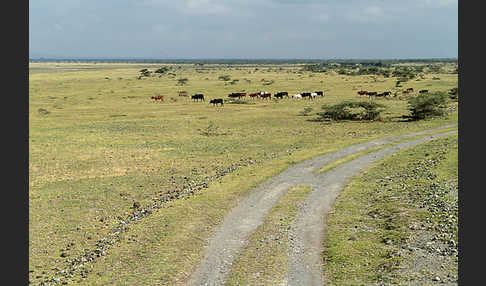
(237, 59)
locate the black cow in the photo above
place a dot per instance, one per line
(197, 97)
(424, 91)
(320, 93)
(236, 94)
(380, 94)
(282, 94)
(387, 93)
(372, 93)
(216, 101)
(307, 94)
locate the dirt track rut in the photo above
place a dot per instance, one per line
(308, 231)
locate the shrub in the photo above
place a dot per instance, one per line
(348, 110)
(427, 105)
(182, 81)
(162, 70)
(306, 111)
(454, 94)
(43, 111)
(145, 72)
(224, 77)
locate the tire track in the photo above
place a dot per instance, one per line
(230, 237)
(309, 228)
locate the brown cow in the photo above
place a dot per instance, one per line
(158, 97)
(266, 95)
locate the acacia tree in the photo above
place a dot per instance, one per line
(162, 70)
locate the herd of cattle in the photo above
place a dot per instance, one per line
(268, 95)
(388, 93)
(261, 94)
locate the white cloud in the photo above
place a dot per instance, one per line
(204, 7)
(373, 11)
(370, 14)
(440, 2)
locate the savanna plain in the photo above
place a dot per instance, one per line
(126, 190)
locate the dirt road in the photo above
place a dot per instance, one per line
(309, 228)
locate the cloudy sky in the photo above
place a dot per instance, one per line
(246, 29)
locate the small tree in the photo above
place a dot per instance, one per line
(162, 70)
(427, 105)
(145, 72)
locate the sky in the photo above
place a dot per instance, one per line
(243, 29)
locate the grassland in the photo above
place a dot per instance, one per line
(397, 222)
(98, 144)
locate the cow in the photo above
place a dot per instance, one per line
(234, 95)
(216, 101)
(266, 95)
(406, 91)
(252, 95)
(381, 94)
(183, 94)
(237, 94)
(372, 93)
(362, 92)
(307, 94)
(298, 95)
(198, 96)
(282, 94)
(385, 93)
(320, 93)
(158, 97)
(410, 89)
(423, 91)
(314, 94)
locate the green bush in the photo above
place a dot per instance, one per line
(427, 105)
(349, 110)
(454, 94)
